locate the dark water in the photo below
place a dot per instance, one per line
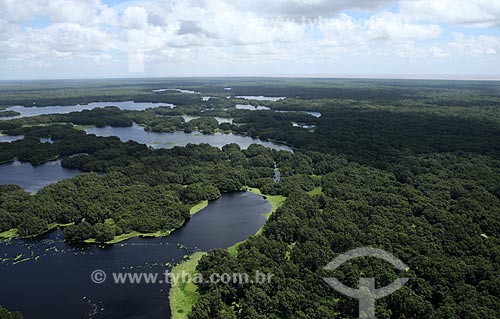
(34, 178)
(169, 140)
(34, 111)
(224, 222)
(55, 281)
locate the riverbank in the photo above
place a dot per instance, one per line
(183, 296)
(203, 232)
(161, 233)
(276, 202)
(14, 232)
(123, 237)
(198, 207)
(9, 234)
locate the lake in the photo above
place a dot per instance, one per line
(251, 107)
(188, 118)
(176, 90)
(59, 109)
(47, 277)
(265, 108)
(203, 98)
(51, 279)
(169, 140)
(33, 178)
(294, 124)
(260, 98)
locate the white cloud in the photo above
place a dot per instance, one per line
(397, 27)
(60, 40)
(473, 13)
(438, 52)
(371, 35)
(40, 64)
(476, 45)
(176, 29)
(409, 50)
(306, 8)
(135, 18)
(87, 12)
(244, 32)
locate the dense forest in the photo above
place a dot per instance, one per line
(143, 190)
(411, 167)
(6, 314)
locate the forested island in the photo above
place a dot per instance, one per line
(411, 167)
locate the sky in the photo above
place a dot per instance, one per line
(53, 39)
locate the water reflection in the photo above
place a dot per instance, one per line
(33, 178)
(59, 109)
(170, 140)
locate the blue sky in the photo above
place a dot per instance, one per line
(116, 38)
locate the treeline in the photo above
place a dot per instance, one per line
(100, 117)
(31, 94)
(253, 123)
(420, 183)
(9, 113)
(6, 314)
(384, 92)
(144, 190)
(66, 142)
(376, 136)
(442, 222)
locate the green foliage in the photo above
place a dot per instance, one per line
(5, 314)
(79, 232)
(9, 113)
(143, 191)
(195, 193)
(185, 294)
(104, 232)
(32, 226)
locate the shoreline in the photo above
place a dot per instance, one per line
(160, 233)
(14, 232)
(183, 298)
(276, 202)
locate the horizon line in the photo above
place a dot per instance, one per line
(443, 77)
